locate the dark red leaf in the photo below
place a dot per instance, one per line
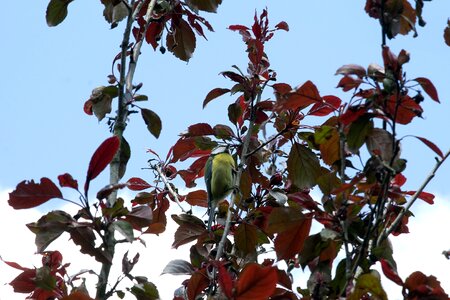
(256, 282)
(24, 282)
(390, 272)
(137, 184)
(447, 33)
(225, 281)
(29, 194)
(153, 33)
(199, 129)
(348, 83)
(428, 87)
(238, 27)
(420, 286)
(431, 145)
(282, 25)
(213, 94)
(87, 107)
(66, 180)
(101, 158)
(197, 283)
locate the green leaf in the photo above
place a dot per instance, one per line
(125, 229)
(56, 11)
(145, 291)
(358, 132)
(125, 154)
(152, 121)
(140, 98)
(44, 279)
(368, 284)
(303, 167)
(49, 227)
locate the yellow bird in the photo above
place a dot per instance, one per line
(219, 178)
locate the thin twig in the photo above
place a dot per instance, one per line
(389, 230)
(163, 177)
(237, 178)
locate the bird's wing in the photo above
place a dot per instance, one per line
(208, 178)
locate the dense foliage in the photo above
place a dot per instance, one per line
(285, 146)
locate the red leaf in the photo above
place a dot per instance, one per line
(330, 103)
(431, 145)
(87, 107)
(196, 284)
(405, 112)
(299, 98)
(256, 282)
(197, 198)
(137, 184)
(290, 242)
(153, 32)
(282, 25)
(420, 286)
(78, 295)
(14, 265)
(390, 272)
(29, 194)
(66, 180)
(101, 158)
(199, 129)
(428, 87)
(24, 282)
(427, 197)
(238, 27)
(214, 93)
(347, 83)
(225, 281)
(399, 180)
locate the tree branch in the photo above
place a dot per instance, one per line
(387, 231)
(163, 177)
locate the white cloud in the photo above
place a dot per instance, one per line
(419, 250)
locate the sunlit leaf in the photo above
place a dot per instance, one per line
(303, 166)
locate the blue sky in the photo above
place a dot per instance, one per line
(48, 73)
